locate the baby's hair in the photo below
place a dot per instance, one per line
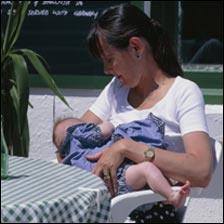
(57, 122)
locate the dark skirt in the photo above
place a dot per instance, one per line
(158, 213)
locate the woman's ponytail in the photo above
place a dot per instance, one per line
(163, 50)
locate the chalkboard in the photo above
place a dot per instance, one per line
(57, 30)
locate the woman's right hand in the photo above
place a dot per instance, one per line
(108, 161)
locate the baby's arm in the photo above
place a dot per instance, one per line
(107, 128)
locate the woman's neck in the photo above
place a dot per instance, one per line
(152, 80)
(152, 76)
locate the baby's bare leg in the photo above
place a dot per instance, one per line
(147, 173)
(135, 176)
(177, 198)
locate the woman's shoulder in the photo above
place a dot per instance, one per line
(185, 86)
(186, 83)
(186, 91)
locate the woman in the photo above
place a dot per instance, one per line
(147, 78)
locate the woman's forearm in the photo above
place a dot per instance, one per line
(179, 166)
(182, 167)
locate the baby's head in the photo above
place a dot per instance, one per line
(61, 126)
(59, 132)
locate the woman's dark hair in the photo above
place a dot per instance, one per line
(121, 22)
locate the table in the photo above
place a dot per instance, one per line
(43, 192)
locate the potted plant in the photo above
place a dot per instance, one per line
(15, 82)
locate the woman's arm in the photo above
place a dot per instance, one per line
(194, 165)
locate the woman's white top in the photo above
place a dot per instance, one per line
(182, 109)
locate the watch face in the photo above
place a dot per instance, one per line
(149, 154)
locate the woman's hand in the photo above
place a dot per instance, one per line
(108, 161)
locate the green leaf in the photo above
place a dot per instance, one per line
(19, 138)
(2, 40)
(25, 138)
(21, 141)
(21, 51)
(22, 84)
(30, 105)
(7, 32)
(18, 20)
(15, 20)
(35, 61)
(15, 100)
(7, 111)
(3, 142)
(15, 82)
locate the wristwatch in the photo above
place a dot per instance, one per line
(149, 154)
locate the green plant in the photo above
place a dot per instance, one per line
(15, 81)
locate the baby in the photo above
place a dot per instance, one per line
(61, 126)
(97, 137)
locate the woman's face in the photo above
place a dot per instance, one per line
(121, 63)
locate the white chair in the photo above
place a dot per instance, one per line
(123, 205)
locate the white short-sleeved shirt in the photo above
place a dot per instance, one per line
(182, 109)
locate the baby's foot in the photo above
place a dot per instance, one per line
(178, 198)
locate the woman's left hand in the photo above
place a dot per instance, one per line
(106, 167)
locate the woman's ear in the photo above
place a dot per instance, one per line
(137, 46)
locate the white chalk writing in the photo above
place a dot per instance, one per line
(35, 3)
(59, 12)
(79, 3)
(37, 12)
(64, 3)
(6, 3)
(85, 13)
(56, 8)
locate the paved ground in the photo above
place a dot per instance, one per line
(204, 210)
